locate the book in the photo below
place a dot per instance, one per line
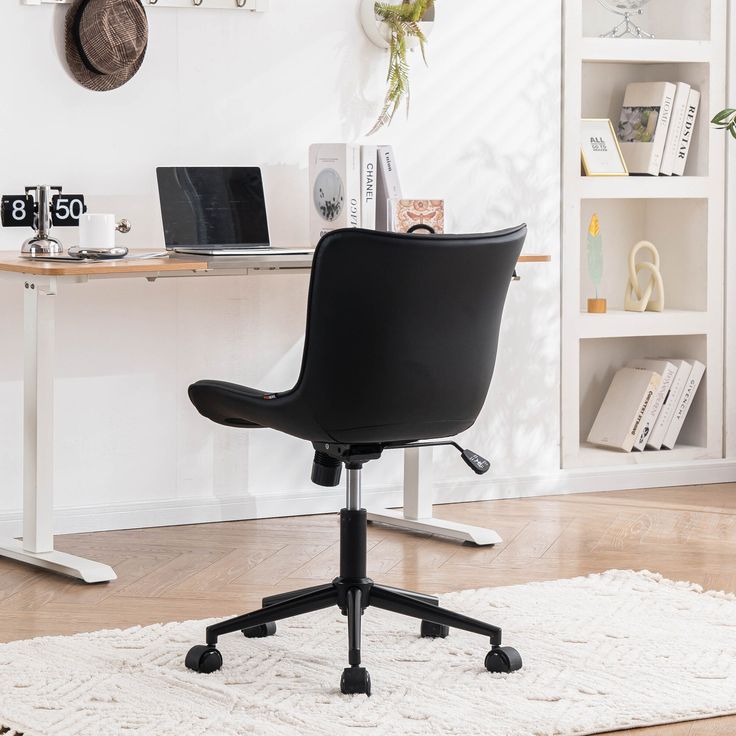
(368, 181)
(674, 132)
(667, 371)
(619, 419)
(334, 185)
(643, 125)
(688, 128)
(417, 215)
(388, 185)
(684, 404)
(668, 408)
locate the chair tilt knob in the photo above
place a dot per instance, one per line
(326, 470)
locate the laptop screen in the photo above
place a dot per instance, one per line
(213, 206)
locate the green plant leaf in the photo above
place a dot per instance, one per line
(402, 20)
(723, 115)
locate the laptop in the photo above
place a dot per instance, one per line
(216, 211)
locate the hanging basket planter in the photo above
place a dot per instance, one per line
(398, 27)
(378, 31)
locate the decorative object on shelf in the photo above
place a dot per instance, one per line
(106, 42)
(673, 141)
(626, 28)
(334, 182)
(399, 27)
(642, 129)
(688, 129)
(638, 299)
(726, 120)
(599, 149)
(619, 418)
(417, 216)
(595, 264)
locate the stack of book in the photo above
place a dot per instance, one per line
(656, 127)
(646, 404)
(351, 186)
(359, 186)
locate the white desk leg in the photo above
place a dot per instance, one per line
(417, 513)
(37, 547)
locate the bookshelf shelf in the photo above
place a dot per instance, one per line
(597, 457)
(619, 323)
(644, 187)
(652, 51)
(683, 216)
(678, 20)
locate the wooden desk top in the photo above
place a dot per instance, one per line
(534, 258)
(13, 263)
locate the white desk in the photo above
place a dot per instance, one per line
(40, 282)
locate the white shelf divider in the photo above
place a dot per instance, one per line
(644, 187)
(649, 51)
(619, 323)
(599, 457)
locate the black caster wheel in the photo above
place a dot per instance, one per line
(355, 681)
(258, 632)
(431, 630)
(503, 659)
(204, 659)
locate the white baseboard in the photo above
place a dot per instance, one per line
(203, 510)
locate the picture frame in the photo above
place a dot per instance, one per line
(599, 149)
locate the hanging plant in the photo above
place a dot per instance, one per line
(402, 21)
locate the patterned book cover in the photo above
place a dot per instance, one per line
(417, 215)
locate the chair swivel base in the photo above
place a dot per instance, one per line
(353, 593)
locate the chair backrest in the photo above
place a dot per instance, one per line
(402, 332)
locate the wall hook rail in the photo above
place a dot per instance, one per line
(256, 6)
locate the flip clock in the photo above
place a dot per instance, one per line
(40, 208)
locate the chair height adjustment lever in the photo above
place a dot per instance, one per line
(472, 459)
(475, 462)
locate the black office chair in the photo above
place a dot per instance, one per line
(400, 346)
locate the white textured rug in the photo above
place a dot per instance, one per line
(604, 652)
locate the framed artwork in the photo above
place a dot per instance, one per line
(599, 149)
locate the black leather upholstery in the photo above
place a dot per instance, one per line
(401, 340)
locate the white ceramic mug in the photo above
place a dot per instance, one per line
(97, 231)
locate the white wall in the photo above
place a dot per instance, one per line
(223, 87)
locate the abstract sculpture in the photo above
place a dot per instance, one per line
(638, 299)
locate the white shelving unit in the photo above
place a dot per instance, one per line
(730, 330)
(683, 216)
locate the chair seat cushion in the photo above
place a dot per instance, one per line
(241, 406)
(226, 403)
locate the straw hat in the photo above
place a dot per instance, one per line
(105, 41)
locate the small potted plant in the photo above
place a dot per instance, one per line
(399, 26)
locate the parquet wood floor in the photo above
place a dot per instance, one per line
(213, 570)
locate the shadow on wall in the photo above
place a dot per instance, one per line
(286, 183)
(59, 37)
(519, 424)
